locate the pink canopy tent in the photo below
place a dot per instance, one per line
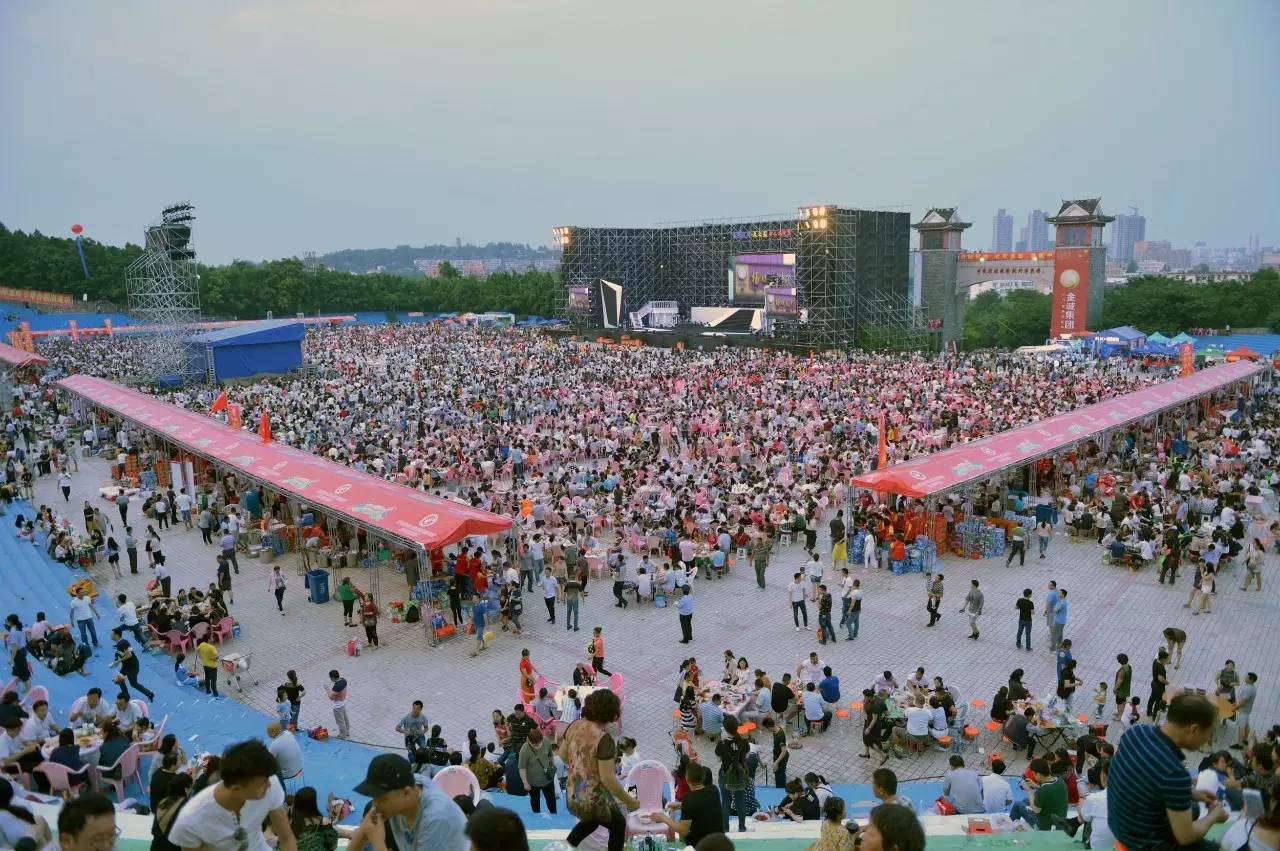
(15, 357)
(401, 513)
(952, 468)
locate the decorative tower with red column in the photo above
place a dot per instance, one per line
(934, 269)
(1080, 266)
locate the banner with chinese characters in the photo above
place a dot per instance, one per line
(1187, 358)
(782, 301)
(1070, 292)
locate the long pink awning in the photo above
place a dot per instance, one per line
(14, 356)
(403, 513)
(952, 468)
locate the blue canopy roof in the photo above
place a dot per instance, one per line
(267, 331)
(1125, 332)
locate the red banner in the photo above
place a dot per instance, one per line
(1187, 358)
(1070, 292)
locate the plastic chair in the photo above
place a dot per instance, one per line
(141, 705)
(12, 686)
(650, 779)
(615, 683)
(222, 630)
(128, 764)
(595, 566)
(61, 778)
(456, 780)
(36, 693)
(199, 632)
(177, 641)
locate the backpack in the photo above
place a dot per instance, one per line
(733, 773)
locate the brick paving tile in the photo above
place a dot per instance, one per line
(1111, 612)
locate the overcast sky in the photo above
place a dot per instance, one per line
(299, 125)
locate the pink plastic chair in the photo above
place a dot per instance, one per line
(650, 779)
(177, 641)
(615, 683)
(128, 764)
(61, 778)
(198, 632)
(12, 686)
(458, 780)
(222, 630)
(139, 704)
(36, 693)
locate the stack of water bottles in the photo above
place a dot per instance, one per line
(921, 556)
(976, 539)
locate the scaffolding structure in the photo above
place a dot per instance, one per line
(848, 263)
(163, 287)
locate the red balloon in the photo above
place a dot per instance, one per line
(77, 229)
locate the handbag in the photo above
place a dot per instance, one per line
(944, 807)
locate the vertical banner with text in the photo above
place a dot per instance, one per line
(1186, 359)
(1070, 291)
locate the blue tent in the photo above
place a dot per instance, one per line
(269, 347)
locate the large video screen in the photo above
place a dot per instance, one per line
(754, 274)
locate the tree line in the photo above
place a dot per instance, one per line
(246, 290)
(1149, 303)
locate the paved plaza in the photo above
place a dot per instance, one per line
(1111, 611)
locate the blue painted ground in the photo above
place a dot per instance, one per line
(31, 582)
(1263, 344)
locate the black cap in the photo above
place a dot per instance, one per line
(387, 773)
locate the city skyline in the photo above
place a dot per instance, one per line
(314, 125)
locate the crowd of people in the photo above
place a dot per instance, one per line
(687, 458)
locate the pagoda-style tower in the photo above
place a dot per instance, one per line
(935, 266)
(1080, 266)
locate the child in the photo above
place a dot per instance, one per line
(1132, 712)
(1099, 701)
(181, 675)
(284, 712)
(562, 770)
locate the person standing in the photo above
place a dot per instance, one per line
(128, 613)
(276, 585)
(337, 692)
(537, 771)
(1245, 695)
(224, 578)
(825, 604)
(1059, 619)
(346, 592)
(572, 601)
(369, 619)
(973, 607)
(592, 786)
(1253, 565)
(1050, 600)
(209, 662)
(855, 610)
(82, 614)
(597, 651)
(130, 545)
(549, 588)
(294, 691)
(685, 607)
(182, 507)
(1159, 682)
(781, 755)
(64, 483)
(479, 609)
(1017, 546)
(414, 729)
(837, 539)
(229, 546)
(1026, 609)
(760, 557)
(161, 571)
(795, 593)
(934, 602)
(1044, 533)
(1122, 685)
(204, 522)
(733, 751)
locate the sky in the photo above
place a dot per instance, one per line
(298, 125)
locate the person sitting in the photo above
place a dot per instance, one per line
(1019, 730)
(67, 752)
(800, 803)
(182, 676)
(114, 744)
(916, 729)
(1046, 798)
(1001, 705)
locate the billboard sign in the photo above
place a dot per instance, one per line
(754, 274)
(1070, 292)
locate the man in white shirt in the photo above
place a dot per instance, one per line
(917, 729)
(82, 613)
(284, 747)
(796, 594)
(89, 709)
(810, 670)
(997, 796)
(228, 815)
(1093, 810)
(184, 504)
(125, 713)
(39, 727)
(128, 613)
(549, 589)
(815, 711)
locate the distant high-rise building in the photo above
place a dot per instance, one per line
(1021, 244)
(1127, 231)
(1037, 231)
(1002, 231)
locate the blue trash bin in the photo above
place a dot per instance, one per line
(318, 586)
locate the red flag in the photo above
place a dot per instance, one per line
(233, 415)
(219, 404)
(883, 450)
(264, 428)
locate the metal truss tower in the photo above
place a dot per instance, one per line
(163, 289)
